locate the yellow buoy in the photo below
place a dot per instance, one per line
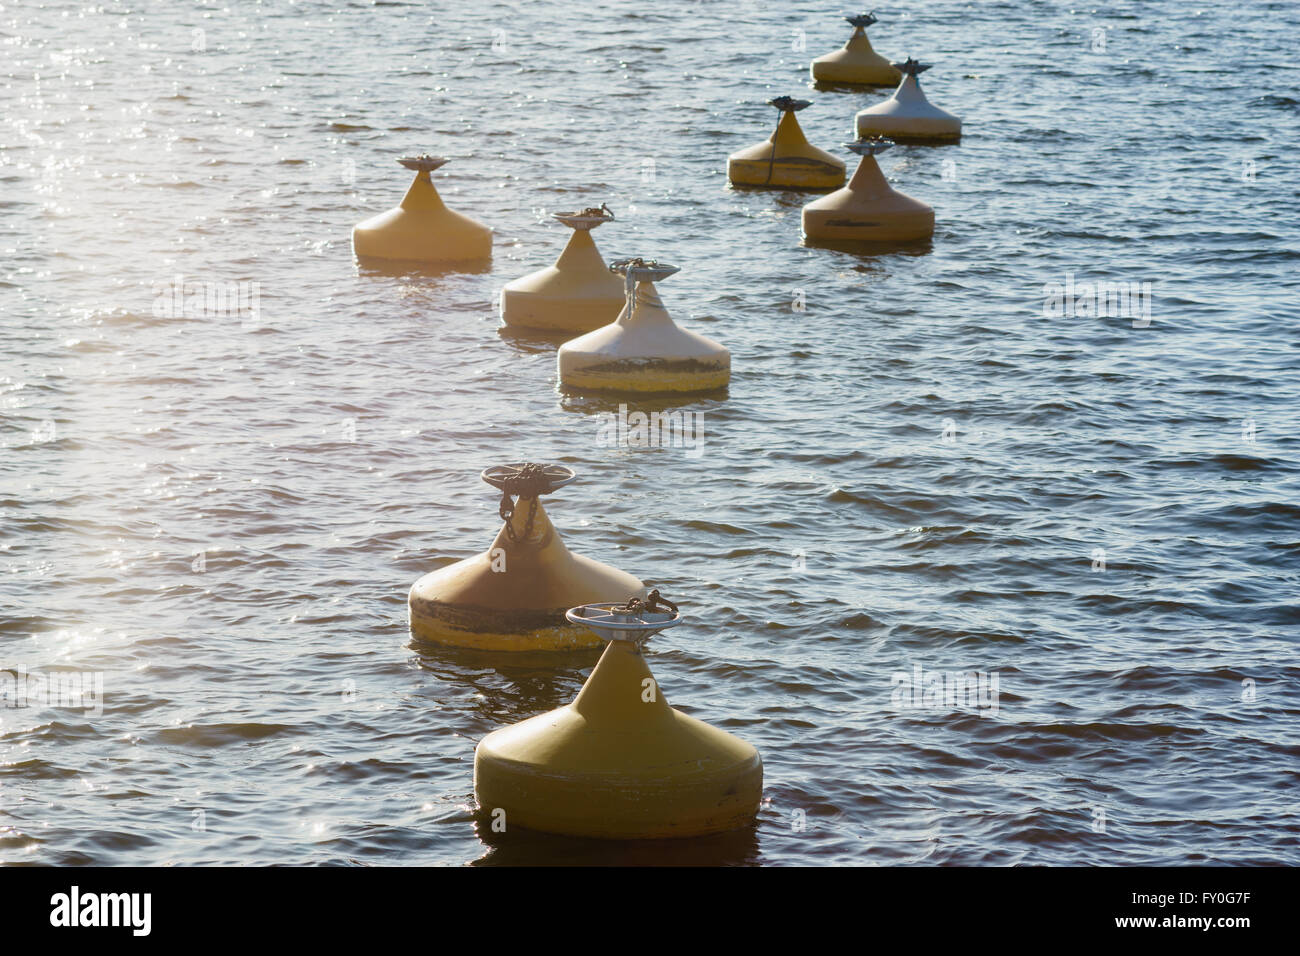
(856, 63)
(907, 116)
(643, 350)
(421, 228)
(785, 160)
(513, 597)
(867, 209)
(618, 762)
(577, 294)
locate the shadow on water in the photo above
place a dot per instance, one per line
(512, 685)
(401, 268)
(900, 140)
(824, 87)
(784, 195)
(521, 847)
(533, 341)
(871, 249)
(601, 403)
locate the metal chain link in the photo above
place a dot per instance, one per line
(784, 104)
(529, 482)
(653, 601)
(629, 281)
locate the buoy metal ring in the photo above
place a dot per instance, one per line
(423, 162)
(788, 104)
(643, 269)
(862, 19)
(631, 621)
(869, 145)
(911, 66)
(588, 218)
(545, 478)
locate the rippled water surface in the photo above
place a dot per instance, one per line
(916, 470)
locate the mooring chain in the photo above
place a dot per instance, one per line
(629, 280)
(653, 601)
(529, 482)
(771, 159)
(784, 104)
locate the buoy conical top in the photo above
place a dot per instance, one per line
(618, 762)
(856, 63)
(907, 116)
(421, 228)
(514, 596)
(643, 350)
(785, 160)
(576, 294)
(868, 208)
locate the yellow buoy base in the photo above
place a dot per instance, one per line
(513, 596)
(867, 210)
(618, 763)
(547, 313)
(454, 626)
(577, 294)
(422, 229)
(874, 222)
(855, 64)
(648, 376)
(785, 173)
(786, 160)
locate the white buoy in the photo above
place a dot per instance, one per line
(907, 116)
(643, 350)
